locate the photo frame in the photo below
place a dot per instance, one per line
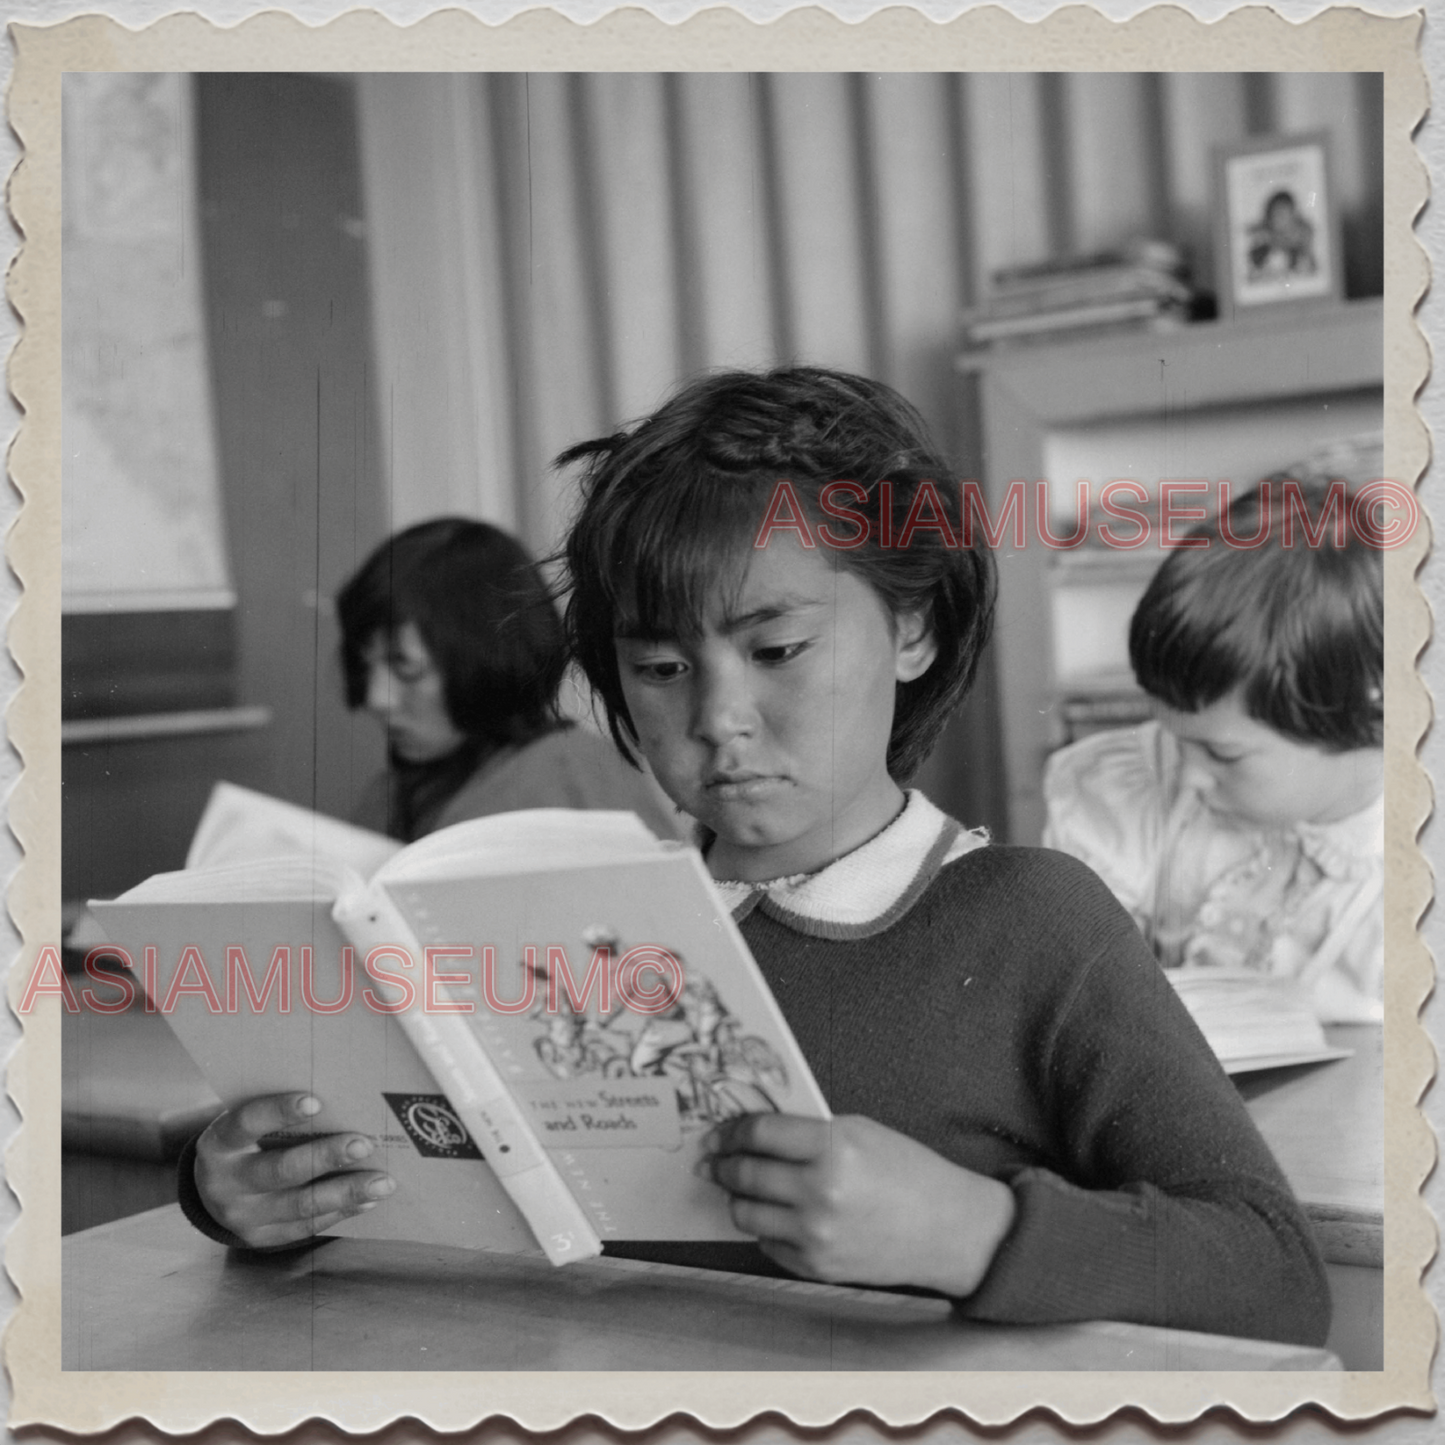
(521, 1394)
(1277, 237)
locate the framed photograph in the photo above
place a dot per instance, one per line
(1277, 232)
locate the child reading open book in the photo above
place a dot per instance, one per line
(771, 595)
(1244, 827)
(586, 1066)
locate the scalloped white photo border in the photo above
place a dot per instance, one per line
(983, 39)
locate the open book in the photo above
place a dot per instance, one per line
(539, 1015)
(242, 826)
(1252, 1021)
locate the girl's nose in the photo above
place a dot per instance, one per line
(1198, 774)
(725, 709)
(380, 690)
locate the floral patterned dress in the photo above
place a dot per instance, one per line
(1303, 902)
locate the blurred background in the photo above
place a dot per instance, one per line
(301, 311)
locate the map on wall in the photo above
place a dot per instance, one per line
(142, 526)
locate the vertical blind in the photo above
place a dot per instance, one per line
(551, 253)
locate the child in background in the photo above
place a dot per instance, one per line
(1245, 827)
(770, 596)
(451, 640)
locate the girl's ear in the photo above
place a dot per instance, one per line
(916, 646)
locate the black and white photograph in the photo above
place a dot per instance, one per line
(723, 721)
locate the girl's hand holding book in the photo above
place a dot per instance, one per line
(270, 1197)
(849, 1200)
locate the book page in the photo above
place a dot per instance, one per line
(523, 842)
(241, 826)
(1252, 1022)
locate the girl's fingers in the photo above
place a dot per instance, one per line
(752, 1176)
(787, 1255)
(323, 1222)
(278, 1236)
(276, 1217)
(286, 1168)
(241, 1127)
(342, 1193)
(768, 1223)
(779, 1136)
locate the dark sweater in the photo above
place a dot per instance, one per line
(1014, 1021)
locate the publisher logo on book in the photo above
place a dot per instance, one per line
(431, 1125)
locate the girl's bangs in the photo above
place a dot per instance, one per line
(679, 542)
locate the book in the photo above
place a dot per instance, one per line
(1059, 293)
(1075, 318)
(240, 825)
(1253, 1021)
(452, 1007)
(1142, 251)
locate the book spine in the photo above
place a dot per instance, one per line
(1073, 319)
(475, 1089)
(1123, 284)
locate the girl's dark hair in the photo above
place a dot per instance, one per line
(482, 610)
(1279, 607)
(672, 505)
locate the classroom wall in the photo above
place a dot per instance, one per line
(280, 252)
(550, 253)
(289, 316)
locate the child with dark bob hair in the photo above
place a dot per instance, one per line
(692, 485)
(1244, 827)
(450, 637)
(770, 596)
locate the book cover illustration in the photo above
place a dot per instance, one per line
(623, 1053)
(696, 1045)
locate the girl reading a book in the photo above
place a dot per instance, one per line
(1244, 827)
(450, 639)
(772, 597)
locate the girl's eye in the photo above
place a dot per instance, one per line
(660, 670)
(779, 652)
(407, 671)
(1223, 758)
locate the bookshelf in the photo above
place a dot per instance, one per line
(1224, 400)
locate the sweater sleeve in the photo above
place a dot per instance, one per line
(1170, 1209)
(188, 1196)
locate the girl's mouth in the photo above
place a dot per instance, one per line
(741, 787)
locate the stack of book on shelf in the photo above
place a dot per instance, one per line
(1138, 286)
(1109, 701)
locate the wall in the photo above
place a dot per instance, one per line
(550, 253)
(290, 346)
(288, 340)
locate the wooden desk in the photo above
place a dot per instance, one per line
(1326, 1125)
(149, 1293)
